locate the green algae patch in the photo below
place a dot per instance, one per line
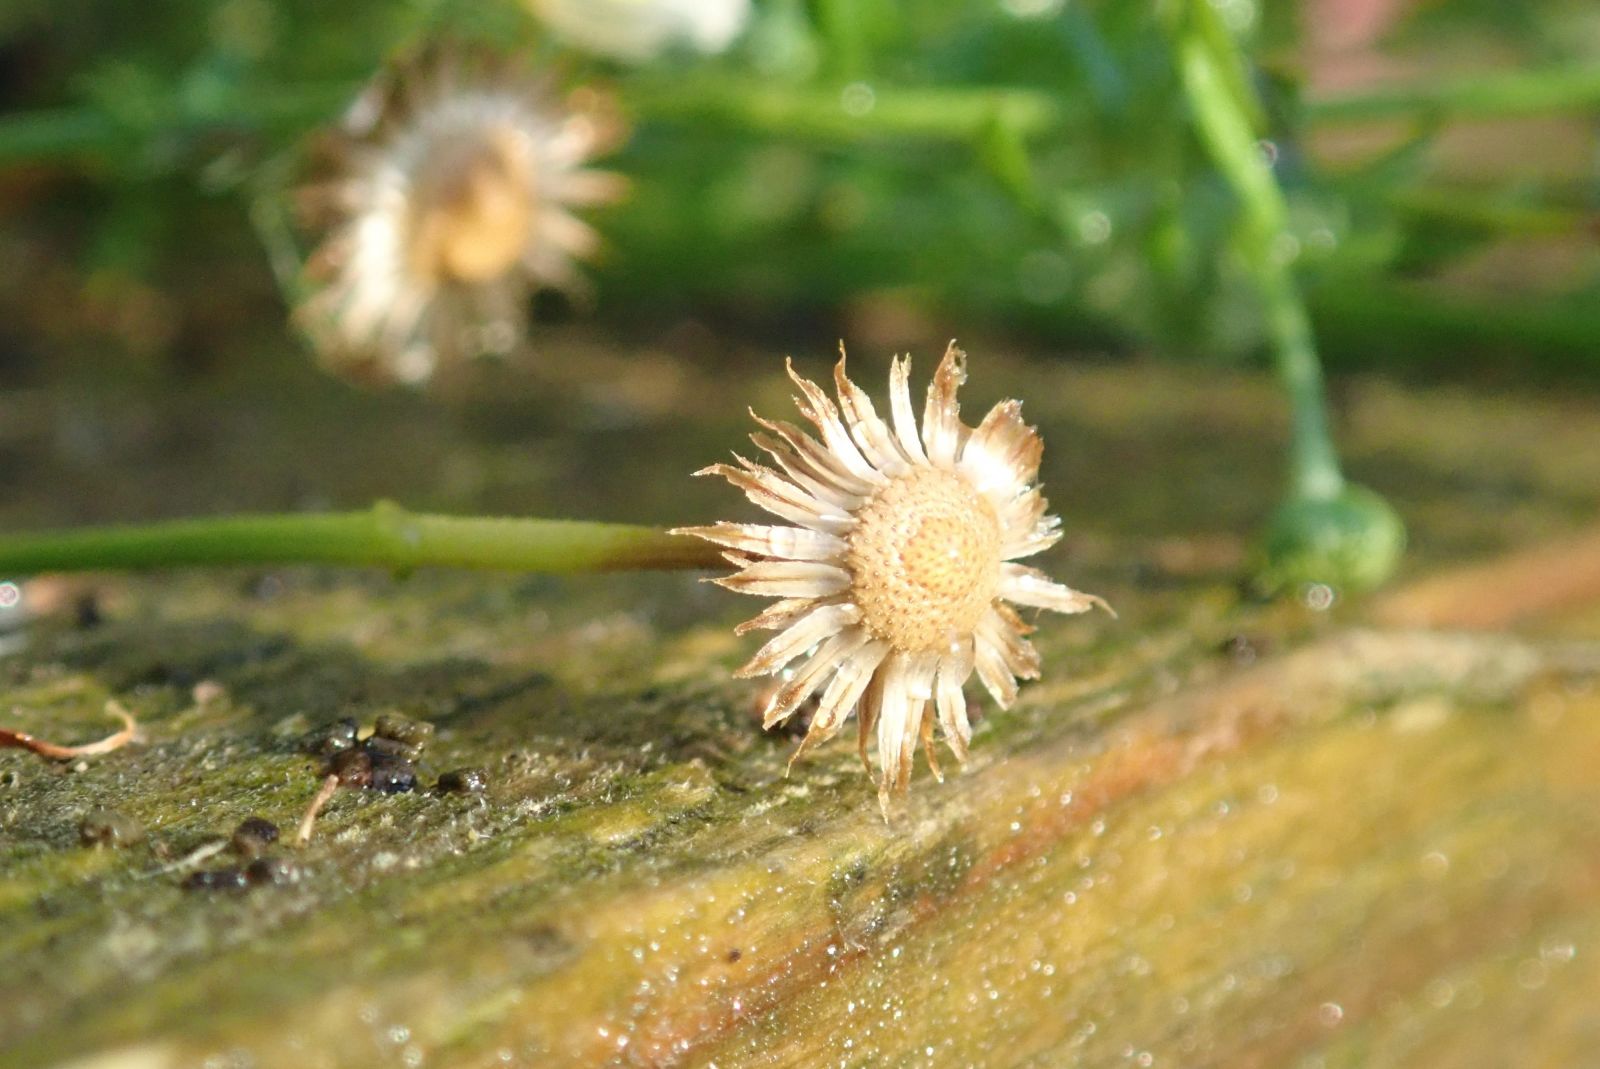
(1216, 832)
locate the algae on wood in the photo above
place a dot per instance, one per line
(1215, 834)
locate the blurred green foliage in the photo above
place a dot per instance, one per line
(1020, 162)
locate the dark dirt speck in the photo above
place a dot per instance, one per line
(215, 880)
(109, 827)
(463, 781)
(403, 730)
(253, 835)
(271, 870)
(331, 739)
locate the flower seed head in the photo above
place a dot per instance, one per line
(924, 560)
(474, 209)
(897, 579)
(446, 198)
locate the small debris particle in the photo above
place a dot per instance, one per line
(392, 775)
(208, 692)
(374, 768)
(266, 587)
(266, 871)
(86, 612)
(109, 827)
(463, 781)
(403, 730)
(1244, 649)
(382, 762)
(57, 752)
(331, 738)
(252, 837)
(215, 880)
(352, 767)
(734, 955)
(378, 746)
(330, 783)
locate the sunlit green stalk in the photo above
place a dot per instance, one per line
(89, 132)
(1514, 93)
(827, 113)
(939, 114)
(1213, 79)
(385, 536)
(1497, 214)
(1395, 323)
(59, 132)
(942, 113)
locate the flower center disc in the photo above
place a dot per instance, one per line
(475, 212)
(925, 559)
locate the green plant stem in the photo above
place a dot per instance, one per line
(918, 112)
(1213, 77)
(1514, 93)
(58, 132)
(384, 536)
(89, 132)
(1414, 326)
(926, 113)
(1495, 214)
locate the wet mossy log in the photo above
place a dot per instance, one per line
(1215, 834)
(1362, 847)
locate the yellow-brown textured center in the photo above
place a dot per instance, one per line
(925, 559)
(474, 211)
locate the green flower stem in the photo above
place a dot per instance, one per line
(90, 132)
(1514, 93)
(937, 113)
(1325, 532)
(384, 536)
(922, 113)
(1393, 324)
(931, 113)
(59, 133)
(1213, 76)
(1495, 214)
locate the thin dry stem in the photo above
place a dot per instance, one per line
(330, 784)
(57, 752)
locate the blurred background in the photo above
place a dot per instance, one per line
(1021, 173)
(887, 171)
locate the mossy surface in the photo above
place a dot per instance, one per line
(1216, 833)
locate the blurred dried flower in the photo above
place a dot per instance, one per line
(447, 202)
(897, 579)
(641, 30)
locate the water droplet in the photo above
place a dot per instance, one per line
(1318, 597)
(857, 99)
(1094, 227)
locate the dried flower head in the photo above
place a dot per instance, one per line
(448, 200)
(899, 579)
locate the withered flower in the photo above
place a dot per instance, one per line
(898, 580)
(447, 200)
